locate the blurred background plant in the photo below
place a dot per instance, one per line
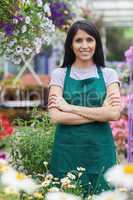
(32, 143)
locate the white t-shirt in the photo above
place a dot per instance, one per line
(58, 75)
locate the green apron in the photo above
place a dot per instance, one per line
(90, 145)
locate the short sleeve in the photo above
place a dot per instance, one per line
(57, 77)
(110, 76)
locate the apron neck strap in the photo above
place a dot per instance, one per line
(100, 73)
(68, 71)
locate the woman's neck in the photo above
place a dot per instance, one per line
(81, 64)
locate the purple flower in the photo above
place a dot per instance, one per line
(19, 17)
(3, 155)
(58, 16)
(8, 28)
(129, 56)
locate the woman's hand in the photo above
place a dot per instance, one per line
(112, 100)
(59, 103)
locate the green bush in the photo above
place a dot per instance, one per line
(31, 144)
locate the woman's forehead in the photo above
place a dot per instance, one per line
(82, 33)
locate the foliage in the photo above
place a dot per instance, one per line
(32, 143)
(4, 196)
(117, 43)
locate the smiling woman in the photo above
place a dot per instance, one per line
(83, 46)
(84, 96)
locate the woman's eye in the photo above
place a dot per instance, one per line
(89, 39)
(78, 40)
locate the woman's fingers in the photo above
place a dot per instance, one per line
(114, 102)
(52, 99)
(52, 105)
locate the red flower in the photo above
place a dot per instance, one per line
(5, 127)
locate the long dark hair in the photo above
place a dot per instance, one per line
(69, 56)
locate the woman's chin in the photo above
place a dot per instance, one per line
(85, 58)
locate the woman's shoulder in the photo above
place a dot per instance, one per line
(58, 71)
(58, 76)
(108, 70)
(110, 75)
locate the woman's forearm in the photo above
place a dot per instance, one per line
(67, 118)
(105, 113)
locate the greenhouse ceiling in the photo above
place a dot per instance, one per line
(114, 12)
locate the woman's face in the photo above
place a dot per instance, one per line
(83, 45)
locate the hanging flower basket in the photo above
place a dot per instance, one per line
(24, 27)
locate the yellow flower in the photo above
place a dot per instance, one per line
(3, 168)
(20, 176)
(128, 169)
(38, 195)
(121, 176)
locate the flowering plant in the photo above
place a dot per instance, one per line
(61, 15)
(120, 133)
(24, 27)
(5, 127)
(129, 56)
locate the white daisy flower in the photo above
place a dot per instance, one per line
(60, 196)
(46, 9)
(16, 60)
(48, 25)
(8, 50)
(27, 20)
(19, 181)
(24, 29)
(109, 195)
(7, 57)
(37, 41)
(71, 176)
(121, 175)
(12, 42)
(27, 51)
(19, 50)
(15, 21)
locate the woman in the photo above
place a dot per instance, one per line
(84, 96)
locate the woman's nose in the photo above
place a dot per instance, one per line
(84, 44)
